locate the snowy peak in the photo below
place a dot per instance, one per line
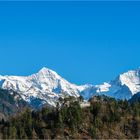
(46, 85)
(53, 82)
(48, 73)
(132, 80)
(123, 87)
(45, 69)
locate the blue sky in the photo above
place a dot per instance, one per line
(85, 42)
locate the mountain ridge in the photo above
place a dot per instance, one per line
(46, 87)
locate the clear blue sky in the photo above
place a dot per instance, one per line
(85, 42)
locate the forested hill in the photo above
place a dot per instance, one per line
(105, 118)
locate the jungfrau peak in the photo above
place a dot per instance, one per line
(46, 87)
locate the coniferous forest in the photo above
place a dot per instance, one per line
(69, 69)
(105, 118)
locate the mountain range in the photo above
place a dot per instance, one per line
(46, 87)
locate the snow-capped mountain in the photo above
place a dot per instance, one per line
(46, 86)
(123, 87)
